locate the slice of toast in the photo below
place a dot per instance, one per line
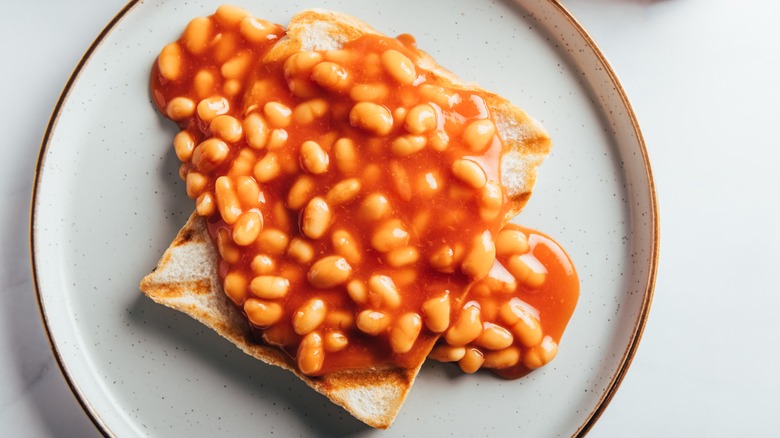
(186, 279)
(186, 276)
(525, 141)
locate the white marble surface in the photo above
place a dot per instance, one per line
(702, 76)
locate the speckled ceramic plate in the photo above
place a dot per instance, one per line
(108, 201)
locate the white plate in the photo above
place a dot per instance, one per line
(108, 201)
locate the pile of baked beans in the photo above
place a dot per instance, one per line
(354, 199)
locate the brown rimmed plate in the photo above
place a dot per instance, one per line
(107, 201)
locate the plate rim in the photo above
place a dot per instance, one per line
(647, 299)
(639, 326)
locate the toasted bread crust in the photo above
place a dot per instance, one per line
(186, 277)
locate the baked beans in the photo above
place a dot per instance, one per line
(353, 197)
